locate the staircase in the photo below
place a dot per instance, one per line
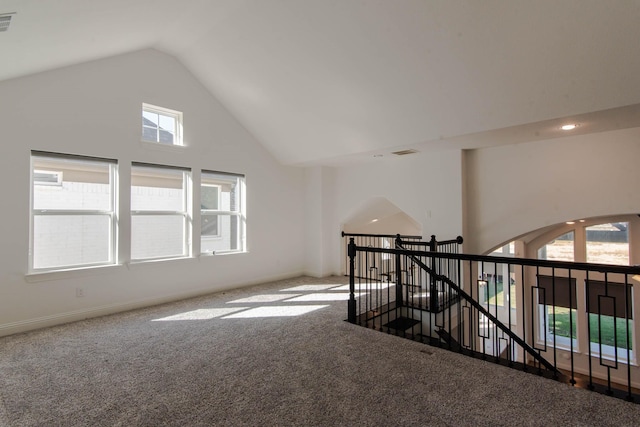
(438, 298)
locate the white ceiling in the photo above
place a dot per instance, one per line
(328, 81)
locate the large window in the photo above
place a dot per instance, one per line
(607, 306)
(73, 219)
(160, 220)
(222, 212)
(559, 249)
(161, 125)
(608, 243)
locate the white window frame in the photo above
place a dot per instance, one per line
(111, 213)
(240, 211)
(185, 213)
(166, 112)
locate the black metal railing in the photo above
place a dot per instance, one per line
(386, 241)
(569, 321)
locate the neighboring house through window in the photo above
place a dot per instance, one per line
(160, 220)
(222, 212)
(73, 218)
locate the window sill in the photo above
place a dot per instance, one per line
(45, 276)
(138, 263)
(608, 354)
(215, 254)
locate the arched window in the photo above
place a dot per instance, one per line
(607, 310)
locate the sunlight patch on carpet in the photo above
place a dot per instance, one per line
(276, 311)
(201, 314)
(309, 288)
(263, 298)
(329, 296)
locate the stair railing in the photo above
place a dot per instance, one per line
(507, 310)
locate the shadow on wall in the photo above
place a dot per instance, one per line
(379, 216)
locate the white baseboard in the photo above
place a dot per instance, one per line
(88, 313)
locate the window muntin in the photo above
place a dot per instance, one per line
(160, 220)
(222, 212)
(161, 125)
(73, 218)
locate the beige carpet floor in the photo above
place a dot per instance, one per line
(278, 354)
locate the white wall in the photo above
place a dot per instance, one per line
(427, 187)
(318, 219)
(94, 109)
(514, 189)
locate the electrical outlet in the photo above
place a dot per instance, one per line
(79, 292)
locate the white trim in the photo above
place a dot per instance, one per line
(70, 273)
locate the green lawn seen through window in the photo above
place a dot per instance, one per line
(562, 329)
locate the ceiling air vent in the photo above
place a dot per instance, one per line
(404, 152)
(5, 20)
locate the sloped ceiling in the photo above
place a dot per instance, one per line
(326, 81)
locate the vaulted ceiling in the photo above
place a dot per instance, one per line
(327, 81)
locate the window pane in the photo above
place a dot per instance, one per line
(156, 236)
(209, 197)
(565, 324)
(611, 331)
(85, 185)
(166, 137)
(149, 134)
(157, 189)
(228, 238)
(560, 249)
(608, 243)
(229, 191)
(209, 225)
(71, 240)
(167, 123)
(150, 119)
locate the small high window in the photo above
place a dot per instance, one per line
(161, 125)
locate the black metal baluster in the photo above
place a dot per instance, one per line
(590, 386)
(553, 324)
(524, 316)
(627, 312)
(351, 253)
(572, 381)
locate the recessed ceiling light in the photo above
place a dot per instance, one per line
(570, 222)
(374, 220)
(570, 126)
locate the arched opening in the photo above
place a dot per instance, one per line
(379, 216)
